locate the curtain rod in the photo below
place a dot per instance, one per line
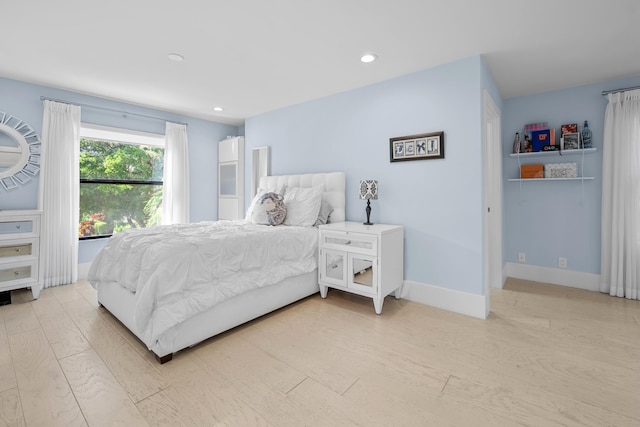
(124, 113)
(607, 92)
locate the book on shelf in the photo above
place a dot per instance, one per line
(541, 138)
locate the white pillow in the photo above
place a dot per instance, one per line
(324, 213)
(259, 193)
(303, 205)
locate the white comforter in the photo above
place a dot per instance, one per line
(177, 271)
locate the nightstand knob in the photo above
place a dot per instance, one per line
(348, 242)
(17, 273)
(17, 250)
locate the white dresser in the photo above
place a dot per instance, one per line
(20, 251)
(362, 259)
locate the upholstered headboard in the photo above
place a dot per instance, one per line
(333, 188)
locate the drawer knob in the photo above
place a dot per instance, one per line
(17, 250)
(348, 242)
(18, 227)
(17, 273)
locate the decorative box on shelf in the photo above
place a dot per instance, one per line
(532, 171)
(561, 170)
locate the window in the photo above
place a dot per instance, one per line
(120, 180)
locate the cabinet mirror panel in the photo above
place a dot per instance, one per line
(362, 272)
(334, 266)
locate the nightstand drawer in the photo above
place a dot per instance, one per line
(23, 249)
(15, 273)
(16, 227)
(20, 250)
(350, 242)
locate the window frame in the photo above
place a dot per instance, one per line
(120, 136)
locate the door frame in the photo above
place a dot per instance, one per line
(492, 203)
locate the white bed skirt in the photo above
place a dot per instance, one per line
(222, 317)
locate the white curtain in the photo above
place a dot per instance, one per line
(60, 178)
(175, 190)
(620, 264)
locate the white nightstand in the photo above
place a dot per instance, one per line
(362, 259)
(20, 251)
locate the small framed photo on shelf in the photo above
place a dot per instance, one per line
(568, 128)
(417, 147)
(570, 141)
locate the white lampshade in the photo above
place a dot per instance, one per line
(369, 189)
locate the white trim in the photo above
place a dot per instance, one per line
(126, 136)
(554, 276)
(492, 198)
(448, 299)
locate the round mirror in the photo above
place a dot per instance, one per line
(19, 151)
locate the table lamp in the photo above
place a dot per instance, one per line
(368, 191)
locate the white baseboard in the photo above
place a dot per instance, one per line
(448, 299)
(83, 270)
(555, 276)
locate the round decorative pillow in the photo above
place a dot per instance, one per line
(270, 210)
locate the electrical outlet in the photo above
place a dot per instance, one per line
(522, 257)
(562, 262)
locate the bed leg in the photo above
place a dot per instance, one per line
(164, 359)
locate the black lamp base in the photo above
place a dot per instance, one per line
(368, 210)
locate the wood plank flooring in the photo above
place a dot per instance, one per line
(546, 356)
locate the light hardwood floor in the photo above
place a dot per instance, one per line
(547, 355)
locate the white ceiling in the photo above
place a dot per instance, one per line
(254, 56)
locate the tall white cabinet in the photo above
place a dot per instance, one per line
(231, 178)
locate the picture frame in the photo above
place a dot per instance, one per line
(570, 141)
(424, 146)
(568, 128)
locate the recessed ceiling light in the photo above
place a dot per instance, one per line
(218, 109)
(176, 57)
(368, 57)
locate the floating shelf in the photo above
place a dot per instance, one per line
(556, 153)
(581, 178)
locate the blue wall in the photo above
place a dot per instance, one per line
(437, 201)
(23, 101)
(548, 220)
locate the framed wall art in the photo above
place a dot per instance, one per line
(570, 141)
(424, 146)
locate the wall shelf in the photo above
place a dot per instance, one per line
(557, 153)
(550, 154)
(580, 178)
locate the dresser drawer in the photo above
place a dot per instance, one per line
(15, 273)
(18, 250)
(23, 249)
(16, 227)
(22, 274)
(350, 242)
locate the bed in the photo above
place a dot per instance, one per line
(126, 301)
